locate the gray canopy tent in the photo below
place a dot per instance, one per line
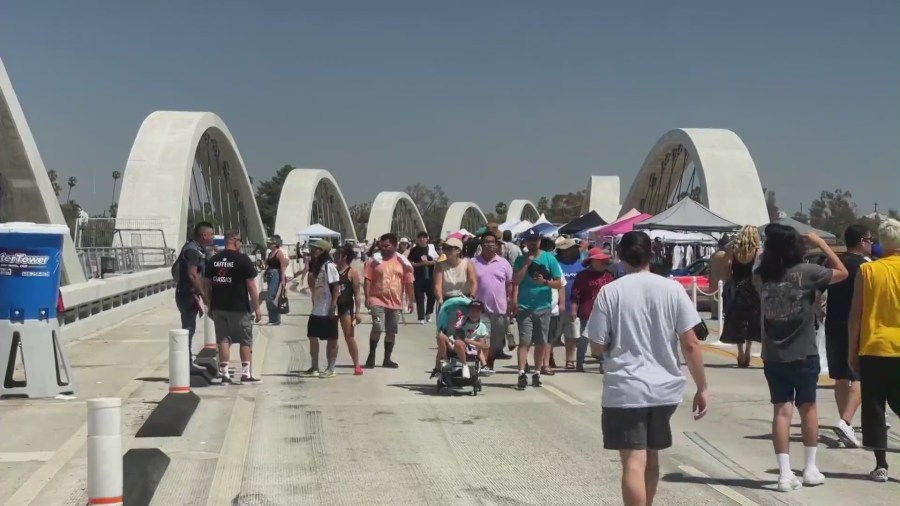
(688, 215)
(801, 227)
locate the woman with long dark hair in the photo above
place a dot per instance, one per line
(348, 303)
(788, 288)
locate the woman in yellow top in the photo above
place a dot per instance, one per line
(874, 329)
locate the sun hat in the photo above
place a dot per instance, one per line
(453, 242)
(564, 243)
(594, 254)
(404, 240)
(323, 245)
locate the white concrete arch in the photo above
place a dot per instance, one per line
(303, 190)
(603, 193)
(394, 212)
(26, 193)
(522, 209)
(727, 177)
(462, 215)
(156, 183)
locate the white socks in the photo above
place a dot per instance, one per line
(245, 369)
(784, 464)
(809, 452)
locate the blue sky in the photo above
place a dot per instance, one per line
(493, 100)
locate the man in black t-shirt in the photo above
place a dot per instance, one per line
(188, 271)
(231, 278)
(421, 256)
(837, 313)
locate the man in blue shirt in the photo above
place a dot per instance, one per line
(570, 262)
(536, 275)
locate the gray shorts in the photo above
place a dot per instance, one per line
(385, 320)
(534, 326)
(565, 329)
(497, 325)
(233, 327)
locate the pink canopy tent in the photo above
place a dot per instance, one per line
(621, 226)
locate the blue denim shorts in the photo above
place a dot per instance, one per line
(793, 381)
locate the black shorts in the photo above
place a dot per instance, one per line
(793, 381)
(322, 327)
(637, 428)
(346, 309)
(837, 349)
(879, 386)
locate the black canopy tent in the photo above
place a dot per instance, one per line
(688, 215)
(583, 222)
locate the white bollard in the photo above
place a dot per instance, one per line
(694, 290)
(721, 289)
(104, 451)
(209, 336)
(179, 362)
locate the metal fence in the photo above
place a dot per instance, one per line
(111, 245)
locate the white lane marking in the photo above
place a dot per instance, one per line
(42, 476)
(226, 482)
(129, 341)
(718, 487)
(562, 395)
(25, 456)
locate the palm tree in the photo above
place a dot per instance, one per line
(116, 175)
(72, 182)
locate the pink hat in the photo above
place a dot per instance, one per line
(594, 254)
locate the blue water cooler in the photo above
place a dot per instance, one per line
(33, 360)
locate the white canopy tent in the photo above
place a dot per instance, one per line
(508, 225)
(317, 230)
(681, 237)
(521, 227)
(542, 219)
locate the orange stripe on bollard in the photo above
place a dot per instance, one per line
(105, 500)
(179, 389)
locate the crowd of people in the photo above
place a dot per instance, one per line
(543, 293)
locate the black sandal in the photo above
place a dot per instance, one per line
(570, 365)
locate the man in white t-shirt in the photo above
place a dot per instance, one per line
(637, 322)
(324, 285)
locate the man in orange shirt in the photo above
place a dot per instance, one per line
(874, 329)
(387, 278)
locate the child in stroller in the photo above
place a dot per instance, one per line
(462, 339)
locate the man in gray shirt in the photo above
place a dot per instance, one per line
(637, 322)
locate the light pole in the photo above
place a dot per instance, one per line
(115, 175)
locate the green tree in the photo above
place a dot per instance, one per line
(267, 195)
(70, 211)
(500, 210)
(771, 204)
(565, 207)
(801, 217)
(543, 205)
(359, 215)
(833, 211)
(54, 182)
(432, 203)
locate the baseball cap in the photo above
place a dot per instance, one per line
(453, 242)
(531, 235)
(564, 243)
(476, 303)
(323, 245)
(404, 240)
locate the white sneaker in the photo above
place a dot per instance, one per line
(428, 318)
(845, 433)
(812, 477)
(789, 483)
(879, 474)
(421, 322)
(486, 371)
